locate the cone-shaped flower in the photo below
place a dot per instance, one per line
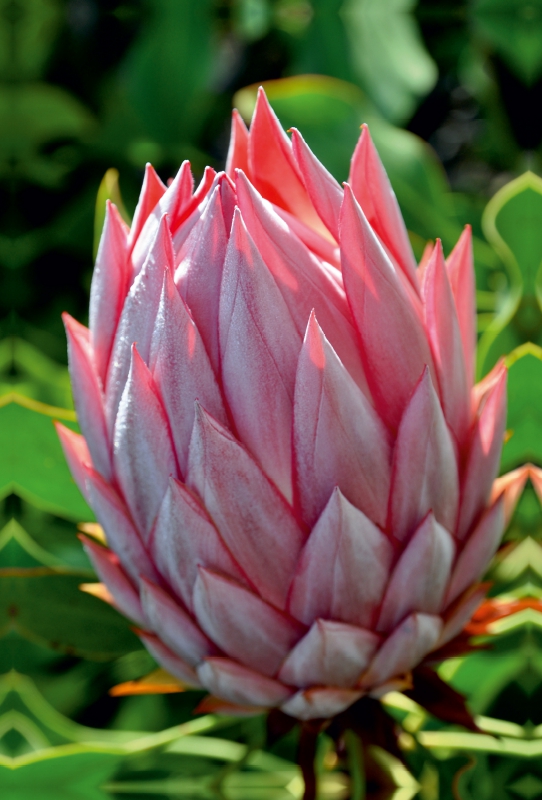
(282, 441)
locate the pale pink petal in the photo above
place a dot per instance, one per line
(173, 625)
(119, 529)
(447, 347)
(199, 271)
(228, 197)
(424, 261)
(393, 340)
(338, 438)
(273, 169)
(181, 369)
(325, 250)
(483, 456)
(239, 684)
(259, 346)
(461, 612)
(461, 271)
(421, 576)
(88, 395)
(108, 289)
(142, 448)
(110, 572)
(152, 191)
(175, 203)
(332, 653)
(77, 455)
(241, 624)
(324, 191)
(425, 474)
(320, 703)
(138, 317)
(343, 569)
(373, 191)
(478, 551)
(511, 486)
(185, 538)
(482, 390)
(171, 662)
(238, 149)
(254, 520)
(416, 636)
(303, 281)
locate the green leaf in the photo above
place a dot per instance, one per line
(514, 29)
(388, 54)
(524, 420)
(33, 464)
(511, 224)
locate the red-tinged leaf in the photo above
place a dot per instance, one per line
(438, 697)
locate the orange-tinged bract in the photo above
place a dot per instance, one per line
(282, 440)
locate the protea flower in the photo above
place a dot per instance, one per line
(282, 440)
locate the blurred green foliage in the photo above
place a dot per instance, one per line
(452, 91)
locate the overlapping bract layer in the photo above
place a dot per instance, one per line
(282, 439)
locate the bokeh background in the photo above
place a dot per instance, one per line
(452, 92)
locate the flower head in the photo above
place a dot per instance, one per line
(282, 440)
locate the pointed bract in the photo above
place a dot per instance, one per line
(323, 189)
(108, 289)
(142, 443)
(373, 191)
(238, 150)
(110, 572)
(393, 341)
(460, 267)
(425, 474)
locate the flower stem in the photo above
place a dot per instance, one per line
(356, 769)
(308, 740)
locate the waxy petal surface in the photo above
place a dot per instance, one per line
(174, 203)
(416, 636)
(119, 529)
(111, 573)
(88, 396)
(425, 473)
(173, 625)
(77, 455)
(320, 703)
(138, 316)
(142, 446)
(181, 369)
(338, 438)
(483, 456)
(199, 272)
(259, 346)
(460, 265)
(332, 653)
(304, 282)
(446, 343)
(152, 191)
(324, 191)
(343, 545)
(242, 624)
(393, 340)
(478, 551)
(373, 191)
(171, 662)
(110, 281)
(238, 150)
(239, 684)
(255, 522)
(270, 156)
(420, 578)
(184, 538)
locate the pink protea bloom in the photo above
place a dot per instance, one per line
(282, 440)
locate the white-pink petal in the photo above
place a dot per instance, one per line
(240, 685)
(330, 654)
(421, 576)
(242, 624)
(343, 569)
